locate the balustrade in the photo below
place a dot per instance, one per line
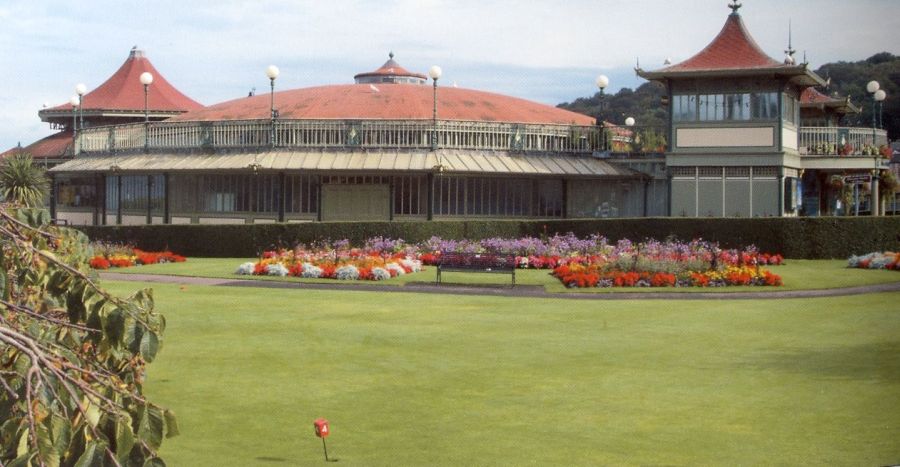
(844, 141)
(377, 134)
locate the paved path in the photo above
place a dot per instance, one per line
(505, 291)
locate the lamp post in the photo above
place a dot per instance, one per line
(146, 79)
(272, 72)
(602, 82)
(878, 95)
(629, 122)
(74, 101)
(435, 74)
(81, 90)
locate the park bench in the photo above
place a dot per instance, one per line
(477, 262)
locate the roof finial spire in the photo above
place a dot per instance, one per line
(789, 53)
(391, 55)
(735, 6)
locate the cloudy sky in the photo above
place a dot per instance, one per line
(543, 50)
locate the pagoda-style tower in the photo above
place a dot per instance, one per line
(734, 123)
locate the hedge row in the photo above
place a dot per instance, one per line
(810, 238)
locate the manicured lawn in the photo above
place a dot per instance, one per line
(416, 379)
(797, 275)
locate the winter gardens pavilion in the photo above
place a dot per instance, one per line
(397, 146)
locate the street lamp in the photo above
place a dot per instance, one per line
(878, 95)
(635, 139)
(146, 80)
(435, 74)
(602, 83)
(81, 90)
(272, 72)
(74, 101)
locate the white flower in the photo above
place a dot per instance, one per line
(311, 271)
(245, 269)
(396, 268)
(347, 273)
(380, 274)
(276, 269)
(414, 265)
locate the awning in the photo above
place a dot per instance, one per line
(452, 161)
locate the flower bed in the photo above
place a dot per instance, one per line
(590, 262)
(886, 260)
(338, 261)
(119, 256)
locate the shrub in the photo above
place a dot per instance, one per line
(810, 238)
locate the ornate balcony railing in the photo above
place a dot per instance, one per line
(843, 141)
(372, 134)
(367, 134)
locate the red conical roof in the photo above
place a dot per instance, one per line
(732, 49)
(734, 53)
(123, 91)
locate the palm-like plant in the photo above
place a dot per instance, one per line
(22, 182)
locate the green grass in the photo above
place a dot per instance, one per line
(416, 379)
(797, 275)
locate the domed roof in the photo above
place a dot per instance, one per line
(388, 102)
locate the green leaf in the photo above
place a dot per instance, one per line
(150, 429)
(134, 332)
(115, 326)
(171, 424)
(92, 455)
(46, 450)
(124, 437)
(149, 345)
(4, 293)
(22, 448)
(61, 432)
(91, 412)
(22, 461)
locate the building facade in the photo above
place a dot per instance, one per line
(739, 146)
(388, 147)
(747, 136)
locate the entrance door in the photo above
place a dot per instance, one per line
(356, 202)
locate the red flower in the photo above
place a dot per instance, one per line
(120, 263)
(429, 259)
(99, 262)
(259, 269)
(771, 279)
(662, 279)
(296, 270)
(699, 280)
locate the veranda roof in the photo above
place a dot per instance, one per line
(452, 161)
